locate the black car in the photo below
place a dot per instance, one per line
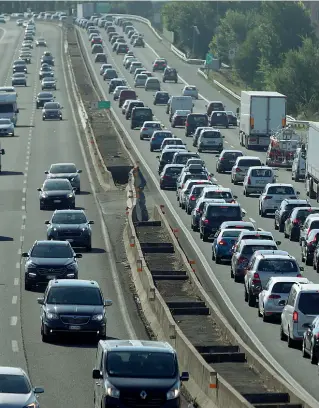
(159, 64)
(193, 121)
(170, 74)
(44, 97)
(131, 106)
(47, 59)
(310, 343)
(56, 193)
(71, 226)
(226, 160)
(284, 211)
(20, 67)
(52, 110)
(121, 49)
(169, 175)
(73, 306)
(232, 118)
(161, 98)
(219, 118)
(116, 82)
(139, 115)
(48, 260)
(109, 74)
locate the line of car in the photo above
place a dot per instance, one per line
(270, 276)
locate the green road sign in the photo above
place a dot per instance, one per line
(209, 58)
(103, 7)
(104, 104)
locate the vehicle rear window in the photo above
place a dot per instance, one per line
(195, 176)
(224, 211)
(140, 113)
(249, 163)
(250, 249)
(231, 234)
(232, 156)
(197, 119)
(173, 171)
(216, 106)
(182, 159)
(309, 303)
(282, 287)
(168, 156)
(314, 225)
(281, 190)
(303, 214)
(290, 207)
(211, 135)
(198, 189)
(260, 236)
(278, 265)
(193, 183)
(261, 173)
(218, 194)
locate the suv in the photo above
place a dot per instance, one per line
(49, 260)
(273, 195)
(300, 309)
(262, 267)
(170, 74)
(283, 212)
(135, 373)
(257, 178)
(210, 140)
(241, 166)
(295, 220)
(193, 121)
(131, 105)
(73, 306)
(312, 222)
(226, 160)
(219, 119)
(182, 157)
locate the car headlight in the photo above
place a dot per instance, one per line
(31, 265)
(174, 391)
(98, 317)
(112, 391)
(44, 195)
(70, 195)
(52, 316)
(55, 229)
(85, 229)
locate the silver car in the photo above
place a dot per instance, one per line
(48, 83)
(257, 178)
(6, 127)
(241, 166)
(140, 80)
(149, 128)
(152, 84)
(16, 389)
(190, 90)
(65, 171)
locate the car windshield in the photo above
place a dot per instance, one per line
(282, 287)
(6, 108)
(63, 168)
(52, 105)
(173, 171)
(278, 265)
(5, 122)
(140, 113)
(282, 190)
(141, 364)
(261, 173)
(69, 218)
(74, 296)
(250, 249)
(211, 135)
(218, 194)
(45, 95)
(231, 234)
(52, 251)
(198, 119)
(51, 185)
(19, 76)
(48, 79)
(248, 163)
(14, 384)
(223, 211)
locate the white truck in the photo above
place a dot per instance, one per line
(179, 103)
(8, 106)
(312, 161)
(262, 114)
(85, 10)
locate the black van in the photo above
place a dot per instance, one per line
(219, 119)
(170, 74)
(140, 115)
(193, 121)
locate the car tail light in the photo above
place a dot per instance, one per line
(182, 186)
(268, 197)
(274, 297)
(233, 201)
(238, 169)
(165, 177)
(296, 221)
(206, 221)
(222, 242)
(144, 128)
(186, 124)
(192, 198)
(256, 279)
(295, 317)
(299, 275)
(242, 259)
(248, 181)
(198, 210)
(222, 158)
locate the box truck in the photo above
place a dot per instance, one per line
(312, 161)
(262, 114)
(85, 10)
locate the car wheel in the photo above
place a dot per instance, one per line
(275, 225)
(307, 260)
(218, 260)
(89, 247)
(281, 227)
(303, 349)
(12, 135)
(313, 357)
(251, 299)
(291, 342)
(285, 234)
(283, 336)
(265, 318)
(27, 285)
(245, 294)
(44, 336)
(205, 237)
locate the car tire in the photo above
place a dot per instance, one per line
(290, 341)
(283, 336)
(303, 350)
(313, 358)
(307, 260)
(258, 313)
(275, 225)
(251, 299)
(205, 237)
(45, 337)
(285, 234)
(12, 135)
(27, 285)
(218, 260)
(42, 207)
(281, 227)
(89, 247)
(61, 118)
(246, 193)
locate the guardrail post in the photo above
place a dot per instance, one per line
(213, 381)
(139, 266)
(172, 333)
(192, 264)
(132, 242)
(151, 295)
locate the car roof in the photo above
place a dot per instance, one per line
(308, 287)
(137, 345)
(311, 216)
(231, 151)
(243, 223)
(279, 185)
(275, 256)
(52, 243)
(69, 212)
(295, 201)
(74, 283)
(260, 168)
(62, 164)
(225, 204)
(256, 232)
(248, 158)
(12, 371)
(229, 230)
(275, 279)
(258, 242)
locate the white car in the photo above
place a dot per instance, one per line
(140, 80)
(6, 127)
(104, 67)
(125, 105)
(185, 191)
(190, 90)
(41, 42)
(117, 91)
(273, 195)
(149, 128)
(275, 292)
(128, 58)
(257, 178)
(152, 84)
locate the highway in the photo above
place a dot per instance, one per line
(268, 333)
(63, 369)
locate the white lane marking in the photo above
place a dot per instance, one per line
(22, 238)
(14, 300)
(25, 181)
(108, 247)
(226, 141)
(16, 281)
(15, 346)
(252, 220)
(23, 198)
(19, 251)
(24, 190)
(24, 217)
(18, 265)
(232, 146)
(23, 207)
(26, 168)
(13, 320)
(23, 226)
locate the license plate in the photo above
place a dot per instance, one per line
(50, 277)
(259, 182)
(75, 327)
(57, 201)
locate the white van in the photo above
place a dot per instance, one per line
(298, 170)
(179, 103)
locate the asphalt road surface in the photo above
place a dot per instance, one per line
(290, 360)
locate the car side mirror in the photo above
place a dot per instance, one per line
(38, 390)
(46, 222)
(184, 376)
(278, 242)
(108, 302)
(243, 212)
(91, 222)
(39, 189)
(223, 137)
(40, 301)
(79, 171)
(3, 151)
(25, 255)
(298, 192)
(46, 172)
(96, 374)
(237, 111)
(235, 197)
(18, 110)
(301, 268)
(78, 255)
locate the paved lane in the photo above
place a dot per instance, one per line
(291, 360)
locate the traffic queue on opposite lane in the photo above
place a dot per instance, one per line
(271, 277)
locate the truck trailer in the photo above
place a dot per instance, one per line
(262, 114)
(85, 10)
(312, 161)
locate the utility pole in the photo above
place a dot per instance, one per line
(195, 33)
